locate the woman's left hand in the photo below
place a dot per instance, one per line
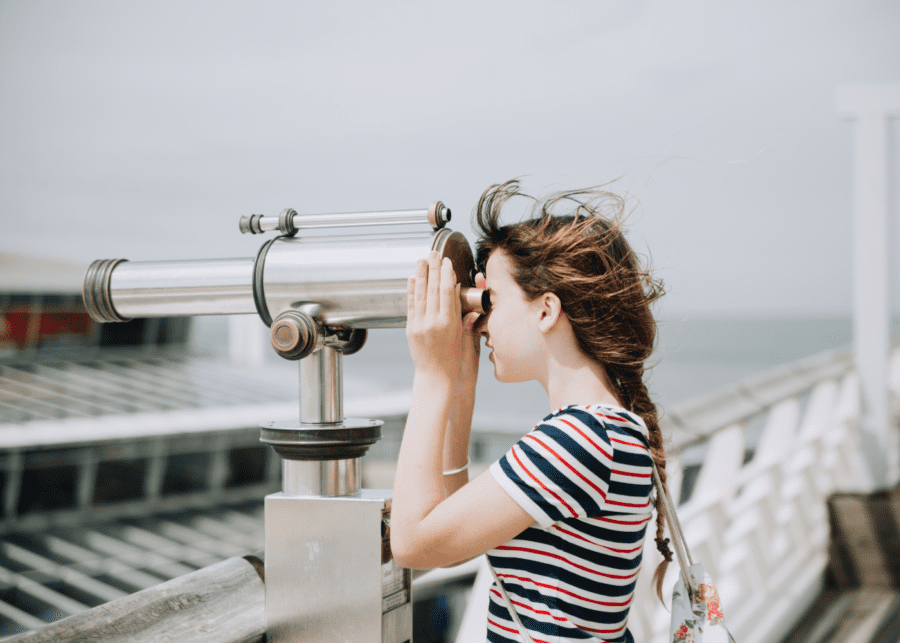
(434, 319)
(429, 526)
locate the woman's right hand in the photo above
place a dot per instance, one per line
(471, 341)
(462, 404)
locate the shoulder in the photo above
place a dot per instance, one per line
(579, 462)
(611, 424)
(609, 433)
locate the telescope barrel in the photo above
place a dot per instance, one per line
(355, 281)
(289, 222)
(119, 290)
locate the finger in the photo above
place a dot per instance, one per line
(449, 288)
(479, 280)
(434, 283)
(421, 287)
(410, 299)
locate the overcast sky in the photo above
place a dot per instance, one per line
(146, 130)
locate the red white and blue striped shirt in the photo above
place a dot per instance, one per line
(584, 475)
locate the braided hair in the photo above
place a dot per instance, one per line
(584, 258)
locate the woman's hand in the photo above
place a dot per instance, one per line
(435, 519)
(434, 325)
(462, 405)
(471, 345)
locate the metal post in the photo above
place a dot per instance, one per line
(871, 107)
(329, 570)
(322, 387)
(321, 477)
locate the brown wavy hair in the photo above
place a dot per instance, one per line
(584, 259)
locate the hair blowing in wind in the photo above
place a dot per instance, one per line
(573, 246)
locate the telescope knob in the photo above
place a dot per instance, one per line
(293, 334)
(355, 341)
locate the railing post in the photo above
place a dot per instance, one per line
(871, 107)
(715, 488)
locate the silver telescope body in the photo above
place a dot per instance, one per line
(330, 574)
(356, 280)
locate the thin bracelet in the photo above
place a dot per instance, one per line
(460, 470)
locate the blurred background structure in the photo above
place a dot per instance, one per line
(738, 134)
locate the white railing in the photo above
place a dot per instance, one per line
(767, 453)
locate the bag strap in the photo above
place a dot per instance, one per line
(671, 516)
(681, 549)
(509, 605)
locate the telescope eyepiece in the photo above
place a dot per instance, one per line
(476, 300)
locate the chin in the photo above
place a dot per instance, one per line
(499, 375)
(507, 377)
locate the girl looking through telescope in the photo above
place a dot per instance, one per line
(563, 514)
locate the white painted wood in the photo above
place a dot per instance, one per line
(90, 563)
(761, 529)
(474, 621)
(166, 546)
(19, 617)
(716, 487)
(60, 602)
(223, 603)
(135, 556)
(217, 472)
(64, 573)
(871, 107)
(894, 377)
(248, 341)
(13, 485)
(213, 528)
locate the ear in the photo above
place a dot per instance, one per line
(550, 309)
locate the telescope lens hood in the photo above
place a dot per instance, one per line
(96, 295)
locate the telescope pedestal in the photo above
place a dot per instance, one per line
(330, 575)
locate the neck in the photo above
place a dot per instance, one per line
(572, 377)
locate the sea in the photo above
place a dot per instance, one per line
(693, 357)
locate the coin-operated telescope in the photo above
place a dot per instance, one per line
(329, 571)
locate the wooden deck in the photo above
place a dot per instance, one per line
(861, 601)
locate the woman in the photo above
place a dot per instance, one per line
(562, 516)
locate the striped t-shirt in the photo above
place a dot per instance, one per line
(584, 475)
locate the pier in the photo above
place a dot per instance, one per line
(769, 475)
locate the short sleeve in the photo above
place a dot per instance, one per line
(575, 465)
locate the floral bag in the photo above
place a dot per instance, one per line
(696, 609)
(699, 619)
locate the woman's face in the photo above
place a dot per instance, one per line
(511, 329)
